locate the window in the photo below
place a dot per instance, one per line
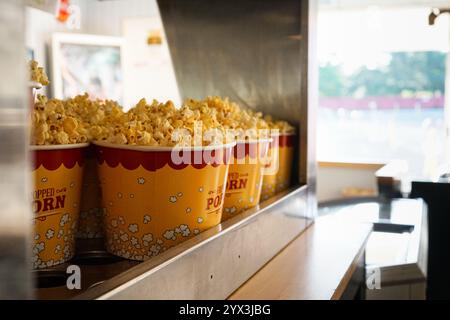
(382, 84)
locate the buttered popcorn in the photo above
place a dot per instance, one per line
(70, 121)
(162, 124)
(210, 121)
(196, 123)
(229, 114)
(233, 116)
(284, 126)
(37, 73)
(97, 115)
(51, 124)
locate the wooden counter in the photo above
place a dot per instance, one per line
(325, 262)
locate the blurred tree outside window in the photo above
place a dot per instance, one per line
(407, 74)
(382, 85)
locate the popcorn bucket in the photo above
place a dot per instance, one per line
(157, 197)
(285, 158)
(57, 173)
(90, 222)
(245, 177)
(277, 174)
(33, 87)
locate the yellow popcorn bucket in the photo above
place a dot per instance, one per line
(245, 176)
(57, 173)
(90, 222)
(157, 197)
(277, 175)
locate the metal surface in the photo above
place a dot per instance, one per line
(15, 213)
(215, 263)
(309, 103)
(247, 50)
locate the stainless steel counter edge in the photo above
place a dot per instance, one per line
(215, 263)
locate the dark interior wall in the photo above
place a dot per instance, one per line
(437, 198)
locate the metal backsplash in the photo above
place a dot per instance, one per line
(15, 212)
(254, 52)
(247, 50)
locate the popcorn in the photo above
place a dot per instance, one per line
(147, 237)
(161, 124)
(50, 233)
(169, 235)
(230, 114)
(80, 119)
(124, 237)
(75, 120)
(37, 74)
(133, 228)
(283, 126)
(197, 123)
(244, 121)
(147, 219)
(52, 123)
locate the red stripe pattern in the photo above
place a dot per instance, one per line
(155, 160)
(285, 140)
(53, 159)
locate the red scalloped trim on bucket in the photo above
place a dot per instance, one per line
(53, 159)
(155, 160)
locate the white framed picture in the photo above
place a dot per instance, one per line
(87, 63)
